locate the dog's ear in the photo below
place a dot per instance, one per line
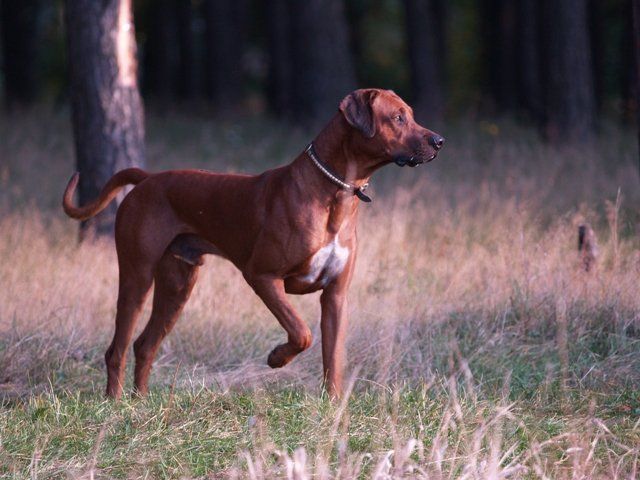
(357, 108)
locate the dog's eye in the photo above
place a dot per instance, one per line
(399, 118)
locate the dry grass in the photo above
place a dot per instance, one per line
(479, 346)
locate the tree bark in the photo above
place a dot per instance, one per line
(280, 74)
(597, 37)
(186, 77)
(19, 41)
(570, 103)
(424, 25)
(499, 29)
(636, 42)
(628, 64)
(529, 60)
(107, 112)
(356, 12)
(323, 70)
(225, 30)
(160, 55)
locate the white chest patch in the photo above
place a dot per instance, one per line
(327, 263)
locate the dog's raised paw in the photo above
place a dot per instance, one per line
(278, 358)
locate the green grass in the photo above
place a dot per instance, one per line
(200, 432)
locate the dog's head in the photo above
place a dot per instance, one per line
(386, 129)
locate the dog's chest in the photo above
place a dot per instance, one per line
(326, 264)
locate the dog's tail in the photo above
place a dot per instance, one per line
(128, 176)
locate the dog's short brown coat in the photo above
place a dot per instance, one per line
(288, 230)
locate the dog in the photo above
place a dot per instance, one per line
(289, 230)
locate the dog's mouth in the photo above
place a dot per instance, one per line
(413, 160)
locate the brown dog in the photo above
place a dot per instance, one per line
(289, 230)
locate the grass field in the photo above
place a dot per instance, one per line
(478, 347)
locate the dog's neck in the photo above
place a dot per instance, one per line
(332, 145)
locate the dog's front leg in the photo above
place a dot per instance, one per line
(271, 291)
(333, 325)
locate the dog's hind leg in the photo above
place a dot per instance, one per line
(132, 292)
(140, 245)
(174, 281)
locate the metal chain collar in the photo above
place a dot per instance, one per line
(357, 191)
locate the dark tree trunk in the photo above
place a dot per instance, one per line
(628, 63)
(425, 40)
(529, 60)
(19, 41)
(628, 67)
(356, 11)
(570, 103)
(506, 91)
(280, 75)
(636, 42)
(107, 113)
(225, 30)
(499, 29)
(186, 77)
(323, 70)
(597, 22)
(160, 54)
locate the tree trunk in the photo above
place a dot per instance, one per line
(628, 64)
(529, 60)
(570, 103)
(636, 42)
(160, 55)
(507, 74)
(187, 85)
(280, 80)
(499, 29)
(597, 37)
(225, 30)
(356, 12)
(19, 41)
(323, 70)
(107, 113)
(424, 20)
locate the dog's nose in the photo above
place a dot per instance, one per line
(436, 141)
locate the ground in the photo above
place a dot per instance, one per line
(478, 346)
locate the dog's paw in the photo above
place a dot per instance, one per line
(278, 357)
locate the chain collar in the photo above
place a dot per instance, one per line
(357, 191)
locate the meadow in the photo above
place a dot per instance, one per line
(478, 346)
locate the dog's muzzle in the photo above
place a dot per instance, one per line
(412, 161)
